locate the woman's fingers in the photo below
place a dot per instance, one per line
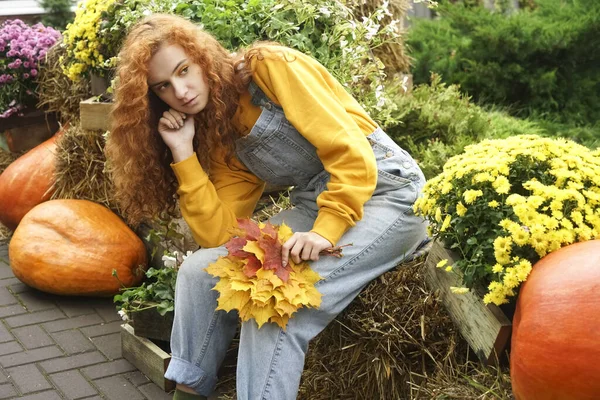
(176, 117)
(303, 246)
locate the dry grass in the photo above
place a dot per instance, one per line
(56, 92)
(80, 172)
(7, 157)
(395, 341)
(5, 233)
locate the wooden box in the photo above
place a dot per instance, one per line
(94, 114)
(485, 327)
(146, 356)
(148, 323)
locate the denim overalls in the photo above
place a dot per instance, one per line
(270, 360)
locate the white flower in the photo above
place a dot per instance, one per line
(169, 261)
(187, 254)
(147, 12)
(123, 315)
(325, 11)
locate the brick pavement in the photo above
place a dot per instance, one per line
(54, 347)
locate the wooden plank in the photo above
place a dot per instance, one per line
(484, 327)
(148, 323)
(150, 359)
(94, 115)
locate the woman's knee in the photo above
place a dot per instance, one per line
(192, 270)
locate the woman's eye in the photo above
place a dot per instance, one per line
(163, 86)
(184, 70)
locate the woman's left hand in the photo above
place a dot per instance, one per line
(303, 246)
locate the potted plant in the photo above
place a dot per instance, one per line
(22, 50)
(504, 204)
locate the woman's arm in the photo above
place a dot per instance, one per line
(328, 117)
(210, 208)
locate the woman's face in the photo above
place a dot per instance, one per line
(177, 81)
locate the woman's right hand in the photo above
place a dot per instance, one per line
(177, 131)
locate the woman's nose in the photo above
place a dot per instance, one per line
(180, 89)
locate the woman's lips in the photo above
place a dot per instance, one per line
(189, 102)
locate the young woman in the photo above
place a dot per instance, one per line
(192, 120)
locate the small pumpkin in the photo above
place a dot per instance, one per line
(71, 247)
(556, 327)
(27, 182)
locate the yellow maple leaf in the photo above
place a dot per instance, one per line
(252, 247)
(223, 267)
(304, 274)
(260, 312)
(314, 297)
(230, 299)
(280, 320)
(284, 307)
(241, 285)
(270, 276)
(284, 233)
(290, 290)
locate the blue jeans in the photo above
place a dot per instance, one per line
(270, 361)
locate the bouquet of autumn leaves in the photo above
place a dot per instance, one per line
(253, 280)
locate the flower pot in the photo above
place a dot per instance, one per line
(150, 324)
(486, 328)
(21, 133)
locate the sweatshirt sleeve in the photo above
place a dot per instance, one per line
(320, 109)
(211, 206)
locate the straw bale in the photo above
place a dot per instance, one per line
(4, 233)
(7, 157)
(395, 341)
(80, 172)
(392, 54)
(56, 92)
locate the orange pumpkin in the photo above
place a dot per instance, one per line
(555, 348)
(27, 182)
(71, 247)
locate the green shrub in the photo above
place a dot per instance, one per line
(541, 62)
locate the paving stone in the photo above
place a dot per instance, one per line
(34, 318)
(9, 311)
(75, 307)
(73, 341)
(70, 362)
(137, 378)
(30, 356)
(5, 335)
(20, 287)
(102, 329)
(118, 388)
(108, 311)
(3, 378)
(5, 271)
(28, 378)
(75, 322)
(7, 391)
(109, 345)
(35, 300)
(10, 347)
(111, 368)
(153, 392)
(50, 395)
(8, 282)
(32, 336)
(73, 385)
(6, 297)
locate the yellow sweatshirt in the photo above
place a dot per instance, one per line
(320, 109)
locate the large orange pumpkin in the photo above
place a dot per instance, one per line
(27, 182)
(71, 247)
(555, 349)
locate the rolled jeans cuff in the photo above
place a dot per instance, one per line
(188, 374)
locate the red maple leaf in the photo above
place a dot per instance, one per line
(250, 228)
(269, 230)
(272, 249)
(251, 266)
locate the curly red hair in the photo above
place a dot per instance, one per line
(138, 159)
